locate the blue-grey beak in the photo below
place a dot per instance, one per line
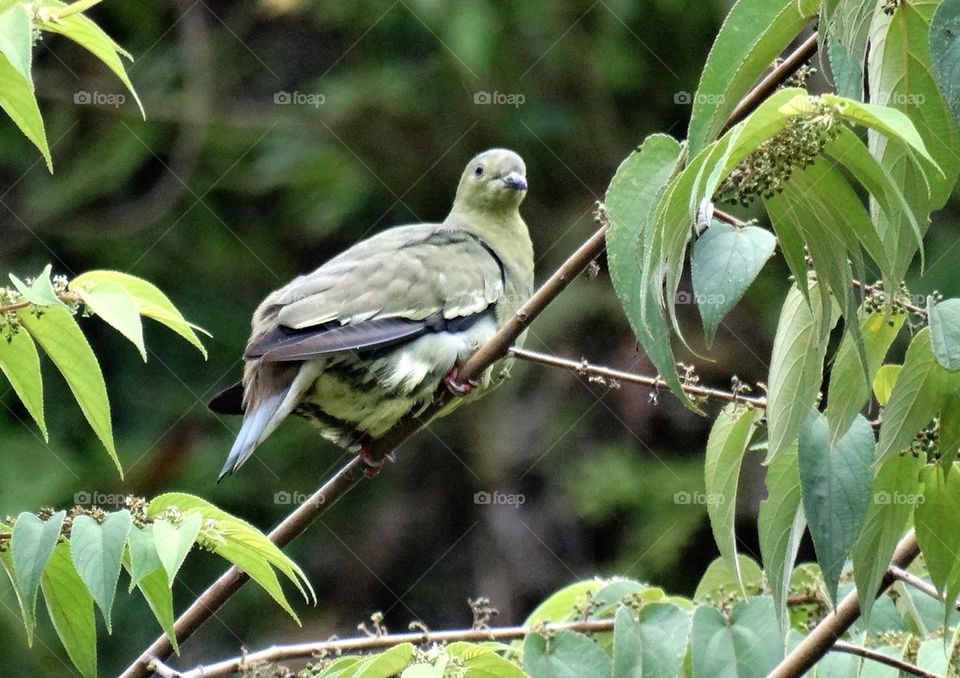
(516, 181)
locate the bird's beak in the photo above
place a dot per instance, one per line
(515, 181)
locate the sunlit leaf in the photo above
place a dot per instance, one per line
(174, 541)
(20, 364)
(116, 307)
(20, 103)
(70, 606)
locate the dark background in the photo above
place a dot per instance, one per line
(222, 195)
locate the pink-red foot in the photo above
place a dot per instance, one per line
(456, 388)
(374, 466)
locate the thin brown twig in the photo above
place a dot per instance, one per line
(585, 368)
(879, 657)
(213, 598)
(280, 653)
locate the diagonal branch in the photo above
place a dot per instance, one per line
(213, 598)
(880, 658)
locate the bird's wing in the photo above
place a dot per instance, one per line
(394, 287)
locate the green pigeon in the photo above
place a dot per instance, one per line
(368, 337)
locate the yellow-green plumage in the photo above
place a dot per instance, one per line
(369, 336)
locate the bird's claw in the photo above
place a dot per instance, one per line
(374, 466)
(455, 387)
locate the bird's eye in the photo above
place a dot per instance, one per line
(478, 171)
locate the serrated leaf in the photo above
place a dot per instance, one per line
(753, 34)
(86, 33)
(918, 394)
(889, 122)
(746, 645)
(883, 382)
(40, 292)
(729, 437)
(937, 535)
(564, 654)
(654, 645)
(151, 302)
(16, 37)
(31, 546)
(944, 318)
(60, 337)
(781, 523)
(725, 262)
(173, 542)
(70, 607)
(97, 550)
(796, 365)
(20, 364)
(888, 516)
(631, 201)
(142, 551)
(945, 52)
(835, 484)
(116, 307)
(848, 392)
(20, 103)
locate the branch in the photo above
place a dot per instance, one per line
(918, 583)
(585, 368)
(879, 657)
(826, 634)
(280, 653)
(213, 598)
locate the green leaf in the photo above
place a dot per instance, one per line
(720, 579)
(565, 654)
(845, 28)
(937, 535)
(16, 38)
(31, 546)
(385, 664)
(945, 52)
(482, 661)
(918, 394)
(835, 483)
(159, 598)
(780, 524)
(143, 558)
(653, 646)
(117, 308)
(944, 320)
(173, 542)
(888, 121)
(19, 101)
(949, 429)
(888, 517)
(20, 364)
(83, 31)
(796, 365)
(151, 302)
(97, 550)
(848, 392)
(883, 382)
(725, 262)
(60, 337)
(752, 35)
(726, 446)
(562, 605)
(743, 646)
(71, 610)
(631, 201)
(41, 292)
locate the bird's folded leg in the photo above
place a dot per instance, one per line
(374, 466)
(456, 388)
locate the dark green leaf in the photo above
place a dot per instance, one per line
(835, 482)
(944, 320)
(653, 646)
(143, 553)
(949, 438)
(937, 534)
(565, 654)
(97, 550)
(71, 609)
(846, 29)
(945, 52)
(31, 546)
(725, 262)
(747, 645)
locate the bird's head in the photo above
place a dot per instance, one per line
(493, 181)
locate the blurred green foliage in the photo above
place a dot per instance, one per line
(222, 194)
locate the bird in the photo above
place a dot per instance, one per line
(371, 335)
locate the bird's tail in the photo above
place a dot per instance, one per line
(258, 423)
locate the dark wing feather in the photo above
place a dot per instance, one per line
(228, 401)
